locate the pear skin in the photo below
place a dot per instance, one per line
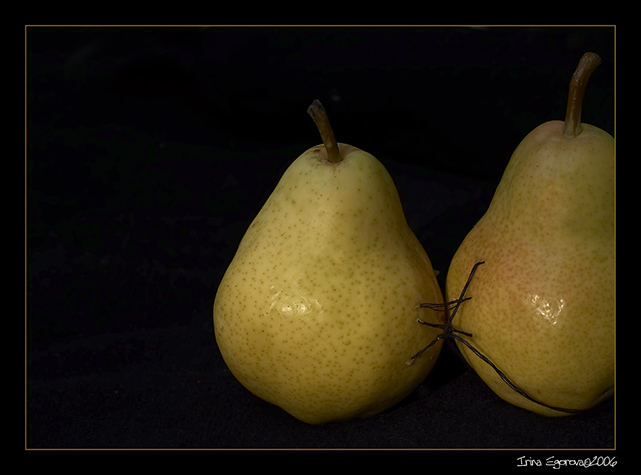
(317, 312)
(541, 307)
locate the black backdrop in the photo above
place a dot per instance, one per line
(149, 151)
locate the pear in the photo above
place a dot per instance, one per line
(539, 310)
(317, 312)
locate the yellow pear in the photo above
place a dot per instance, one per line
(541, 305)
(317, 312)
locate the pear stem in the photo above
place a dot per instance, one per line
(318, 113)
(578, 84)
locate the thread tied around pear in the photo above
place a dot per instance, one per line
(449, 332)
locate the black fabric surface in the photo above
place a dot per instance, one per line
(149, 152)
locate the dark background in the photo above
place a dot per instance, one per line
(149, 152)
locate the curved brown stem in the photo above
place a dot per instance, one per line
(587, 65)
(318, 113)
